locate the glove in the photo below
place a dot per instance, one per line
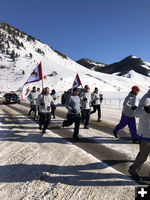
(93, 102)
(147, 109)
(42, 104)
(134, 107)
(74, 111)
(85, 99)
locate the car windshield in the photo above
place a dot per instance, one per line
(10, 95)
(14, 96)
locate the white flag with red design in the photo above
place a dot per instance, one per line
(77, 82)
(35, 76)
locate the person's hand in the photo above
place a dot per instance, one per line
(85, 99)
(74, 111)
(134, 107)
(147, 109)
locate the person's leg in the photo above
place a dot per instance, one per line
(142, 155)
(69, 121)
(123, 122)
(34, 111)
(87, 117)
(31, 108)
(41, 120)
(47, 120)
(94, 109)
(38, 110)
(132, 128)
(99, 111)
(77, 125)
(53, 111)
(82, 114)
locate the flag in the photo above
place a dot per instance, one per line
(35, 76)
(25, 90)
(77, 82)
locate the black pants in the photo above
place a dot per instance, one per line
(73, 118)
(33, 108)
(53, 107)
(86, 116)
(44, 120)
(97, 107)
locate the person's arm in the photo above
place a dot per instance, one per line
(138, 111)
(30, 97)
(101, 97)
(52, 101)
(93, 98)
(128, 102)
(38, 101)
(67, 104)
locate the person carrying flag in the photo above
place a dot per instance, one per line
(32, 97)
(45, 101)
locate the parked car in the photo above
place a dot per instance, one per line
(66, 94)
(11, 98)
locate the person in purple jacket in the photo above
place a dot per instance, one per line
(128, 112)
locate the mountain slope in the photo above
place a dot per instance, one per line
(90, 64)
(122, 67)
(20, 54)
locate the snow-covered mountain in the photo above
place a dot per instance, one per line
(121, 68)
(20, 54)
(90, 64)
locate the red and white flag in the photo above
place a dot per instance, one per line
(35, 76)
(77, 82)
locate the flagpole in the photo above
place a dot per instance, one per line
(41, 74)
(42, 84)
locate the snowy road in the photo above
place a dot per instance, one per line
(53, 166)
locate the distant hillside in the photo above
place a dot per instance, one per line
(121, 68)
(90, 64)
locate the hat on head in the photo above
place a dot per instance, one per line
(75, 89)
(135, 88)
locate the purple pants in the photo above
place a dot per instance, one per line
(131, 124)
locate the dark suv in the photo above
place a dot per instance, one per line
(66, 94)
(11, 98)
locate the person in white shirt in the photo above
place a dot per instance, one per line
(32, 97)
(45, 101)
(96, 102)
(86, 109)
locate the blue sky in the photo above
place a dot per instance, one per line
(102, 30)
